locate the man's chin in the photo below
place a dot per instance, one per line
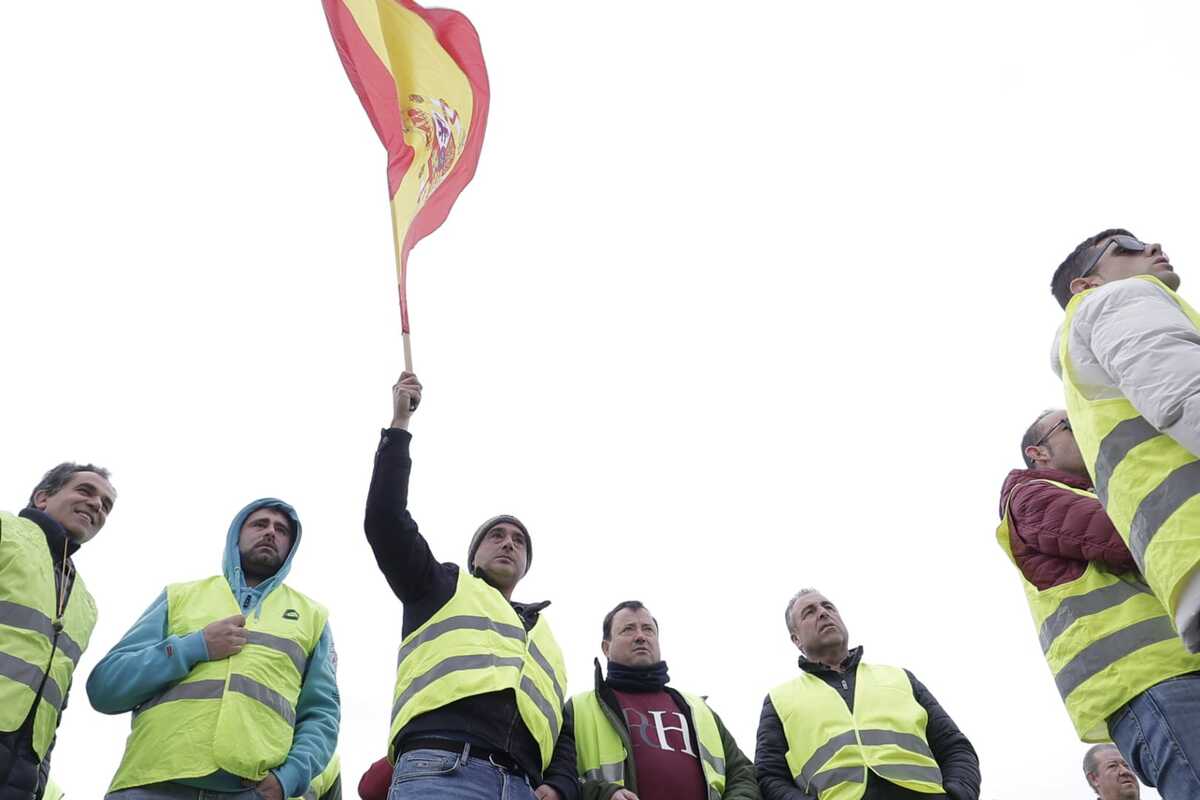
(502, 573)
(77, 534)
(1170, 278)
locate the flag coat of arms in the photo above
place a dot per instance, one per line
(420, 75)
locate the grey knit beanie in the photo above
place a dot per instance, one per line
(487, 526)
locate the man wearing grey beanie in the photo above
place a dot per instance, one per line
(477, 710)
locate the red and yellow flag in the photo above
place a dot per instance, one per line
(419, 73)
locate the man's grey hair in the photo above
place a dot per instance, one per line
(57, 477)
(1032, 434)
(1090, 767)
(787, 614)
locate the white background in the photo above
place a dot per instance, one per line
(743, 298)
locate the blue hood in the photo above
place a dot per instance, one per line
(250, 599)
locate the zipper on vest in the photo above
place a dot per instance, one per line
(62, 597)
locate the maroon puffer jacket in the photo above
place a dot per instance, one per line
(1055, 533)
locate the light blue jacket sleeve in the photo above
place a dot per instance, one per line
(318, 717)
(144, 662)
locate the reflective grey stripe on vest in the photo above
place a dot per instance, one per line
(909, 772)
(1127, 435)
(196, 690)
(1104, 652)
(445, 667)
(15, 615)
(286, 646)
(715, 762)
(1083, 605)
(822, 755)
(265, 695)
(459, 623)
(1157, 507)
(823, 780)
(543, 705)
(905, 741)
(21, 671)
(311, 794)
(544, 663)
(869, 737)
(610, 773)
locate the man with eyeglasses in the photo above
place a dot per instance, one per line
(1128, 353)
(1118, 666)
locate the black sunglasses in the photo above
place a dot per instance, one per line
(1063, 423)
(1126, 244)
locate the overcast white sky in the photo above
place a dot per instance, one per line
(744, 297)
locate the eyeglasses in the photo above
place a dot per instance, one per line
(1124, 243)
(1063, 424)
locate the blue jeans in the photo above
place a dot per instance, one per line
(1158, 732)
(425, 774)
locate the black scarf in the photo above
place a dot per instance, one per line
(637, 679)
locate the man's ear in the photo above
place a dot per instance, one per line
(40, 498)
(1087, 282)
(796, 641)
(1035, 453)
(604, 648)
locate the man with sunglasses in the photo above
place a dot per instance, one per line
(1091, 610)
(1128, 353)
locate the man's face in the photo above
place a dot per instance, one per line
(634, 639)
(1058, 450)
(81, 506)
(816, 624)
(1113, 780)
(1117, 264)
(264, 542)
(502, 554)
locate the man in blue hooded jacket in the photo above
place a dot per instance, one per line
(259, 653)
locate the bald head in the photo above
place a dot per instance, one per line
(1049, 443)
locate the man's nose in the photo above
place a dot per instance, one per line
(1154, 248)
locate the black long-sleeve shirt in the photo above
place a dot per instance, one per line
(423, 586)
(952, 750)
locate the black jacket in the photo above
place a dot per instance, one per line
(953, 752)
(22, 775)
(424, 585)
(740, 781)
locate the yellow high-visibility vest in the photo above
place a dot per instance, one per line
(830, 748)
(1106, 637)
(53, 791)
(323, 782)
(38, 648)
(236, 714)
(1149, 483)
(474, 644)
(600, 752)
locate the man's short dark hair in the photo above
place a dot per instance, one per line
(58, 476)
(632, 605)
(1074, 265)
(1032, 434)
(1090, 767)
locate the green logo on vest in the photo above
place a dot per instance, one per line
(291, 613)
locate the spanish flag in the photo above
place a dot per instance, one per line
(420, 75)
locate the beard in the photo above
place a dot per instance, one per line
(261, 563)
